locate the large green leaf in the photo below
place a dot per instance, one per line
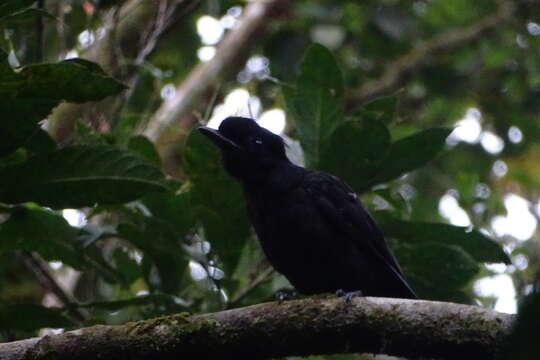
(40, 142)
(24, 17)
(411, 153)
(145, 148)
(317, 102)
(21, 121)
(355, 151)
(479, 246)
(172, 208)
(29, 317)
(41, 231)
(218, 200)
(436, 270)
(20, 118)
(8, 7)
(80, 176)
(74, 80)
(29, 95)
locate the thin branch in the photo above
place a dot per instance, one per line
(40, 270)
(264, 276)
(151, 35)
(119, 47)
(397, 71)
(256, 16)
(409, 328)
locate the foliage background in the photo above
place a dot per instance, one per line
(162, 229)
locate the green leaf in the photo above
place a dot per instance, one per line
(5, 68)
(382, 109)
(22, 121)
(227, 234)
(126, 266)
(355, 151)
(218, 200)
(479, 246)
(434, 268)
(317, 103)
(80, 176)
(40, 142)
(174, 209)
(95, 257)
(8, 7)
(22, 117)
(160, 244)
(395, 198)
(30, 317)
(411, 153)
(28, 96)
(74, 80)
(41, 231)
(16, 157)
(144, 147)
(24, 17)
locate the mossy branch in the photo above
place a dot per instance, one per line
(410, 328)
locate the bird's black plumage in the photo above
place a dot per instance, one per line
(312, 227)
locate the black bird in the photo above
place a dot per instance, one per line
(311, 225)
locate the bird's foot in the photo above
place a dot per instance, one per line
(283, 295)
(348, 296)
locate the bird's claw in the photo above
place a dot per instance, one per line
(348, 296)
(283, 295)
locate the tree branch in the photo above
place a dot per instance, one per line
(132, 31)
(256, 16)
(397, 71)
(39, 268)
(410, 328)
(172, 121)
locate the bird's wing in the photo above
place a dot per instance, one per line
(340, 206)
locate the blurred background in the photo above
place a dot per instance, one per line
(470, 66)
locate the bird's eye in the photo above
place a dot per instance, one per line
(256, 145)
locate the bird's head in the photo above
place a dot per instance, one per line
(249, 151)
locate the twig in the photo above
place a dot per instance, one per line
(151, 34)
(256, 15)
(261, 278)
(39, 268)
(123, 31)
(397, 71)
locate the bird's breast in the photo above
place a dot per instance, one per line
(298, 241)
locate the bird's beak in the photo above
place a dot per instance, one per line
(218, 139)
